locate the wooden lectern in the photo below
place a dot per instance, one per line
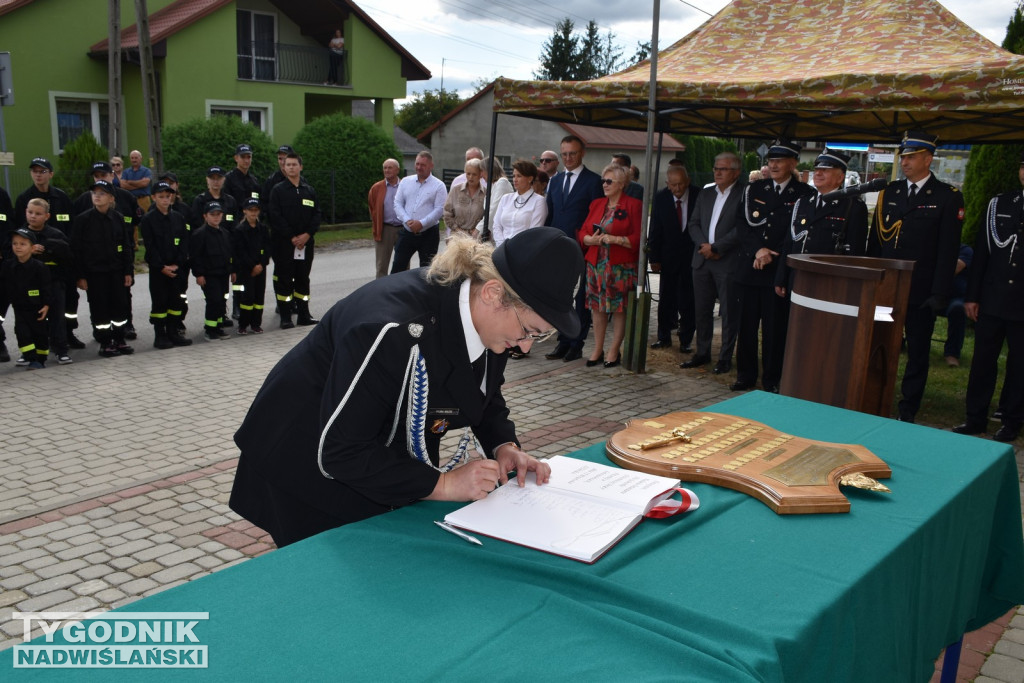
(845, 330)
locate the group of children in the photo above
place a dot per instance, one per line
(97, 257)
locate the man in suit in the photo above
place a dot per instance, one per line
(711, 228)
(634, 189)
(349, 422)
(569, 196)
(994, 292)
(919, 218)
(671, 254)
(762, 228)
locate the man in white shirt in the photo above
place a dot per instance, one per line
(419, 203)
(471, 153)
(711, 226)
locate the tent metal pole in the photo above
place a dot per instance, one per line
(485, 234)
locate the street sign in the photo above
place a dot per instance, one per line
(880, 158)
(6, 158)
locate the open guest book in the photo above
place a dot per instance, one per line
(583, 510)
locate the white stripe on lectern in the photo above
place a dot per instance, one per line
(827, 306)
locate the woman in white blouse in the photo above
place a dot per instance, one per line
(522, 209)
(498, 186)
(519, 211)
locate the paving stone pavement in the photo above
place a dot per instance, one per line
(124, 494)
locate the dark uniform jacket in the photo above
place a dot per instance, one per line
(764, 222)
(667, 243)
(102, 243)
(231, 211)
(24, 286)
(241, 186)
(925, 231)
(840, 226)
(314, 394)
(62, 212)
(250, 246)
(8, 221)
(166, 240)
(124, 201)
(996, 282)
(293, 210)
(209, 251)
(57, 257)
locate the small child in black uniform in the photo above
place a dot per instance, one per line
(250, 242)
(25, 286)
(53, 250)
(209, 252)
(165, 234)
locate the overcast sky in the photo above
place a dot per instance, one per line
(463, 41)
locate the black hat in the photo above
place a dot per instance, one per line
(832, 158)
(784, 149)
(30, 235)
(215, 170)
(542, 266)
(169, 176)
(285, 149)
(915, 141)
(40, 161)
(105, 186)
(163, 187)
(251, 202)
(243, 149)
(102, 166)
(212, 207)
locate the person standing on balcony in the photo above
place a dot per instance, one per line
(337, 56)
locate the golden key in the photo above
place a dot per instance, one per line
(677, 435)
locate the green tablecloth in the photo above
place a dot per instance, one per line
(731, 592)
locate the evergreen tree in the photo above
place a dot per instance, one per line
(557, 61)
(426, 109)
(74, 167)
(992, 169)
(567, 56)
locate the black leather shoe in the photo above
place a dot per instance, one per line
(771, 388)
(741, 386)
(559, 352)
(969, 428)
(662, 344)
(74, 342)
(572, 354)
(1007, 434)
(722, 367)
(998, 415)
(687, 348)
(614, 363)
(695, 362)
(592, 363)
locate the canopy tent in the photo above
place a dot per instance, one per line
(854, 70)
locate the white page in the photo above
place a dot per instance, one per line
(631, 489)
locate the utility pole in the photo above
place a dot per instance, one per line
(114, 123)
(149, 92)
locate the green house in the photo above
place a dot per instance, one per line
(265, 61)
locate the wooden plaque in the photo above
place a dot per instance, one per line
(789, 474)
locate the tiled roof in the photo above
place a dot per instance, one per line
(620, 139)
(166, 22)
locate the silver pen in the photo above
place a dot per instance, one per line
(461, 534)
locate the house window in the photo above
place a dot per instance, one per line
(257, 45)
(256, 117)
(73, 116)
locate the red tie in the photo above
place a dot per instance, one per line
(679, 213)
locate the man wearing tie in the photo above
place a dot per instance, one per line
(671, 253)
(569, 196)
(711, 228)
(919, 218)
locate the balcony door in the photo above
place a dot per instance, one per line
(257, 45)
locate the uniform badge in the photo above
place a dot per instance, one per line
(439, 426)
(803, 221)
(757, 214)
(960, 214)
(415, 330)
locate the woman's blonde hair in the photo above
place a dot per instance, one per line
(466, 258)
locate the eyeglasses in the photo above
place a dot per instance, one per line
(529, 336)
(607, 181)
(722, 169)
(547, 161)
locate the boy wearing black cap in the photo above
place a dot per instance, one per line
(919, 218)
(53, 250)
(102, 245)
(166, 238)
(215, 193)
(760, 232)
(209, 254)
(240, 182)
(61, 211)
(442, 336)
(250, 243)
(277, 176)
(25, 286)
(294, 214)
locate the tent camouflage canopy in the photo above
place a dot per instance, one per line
(854, 70)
